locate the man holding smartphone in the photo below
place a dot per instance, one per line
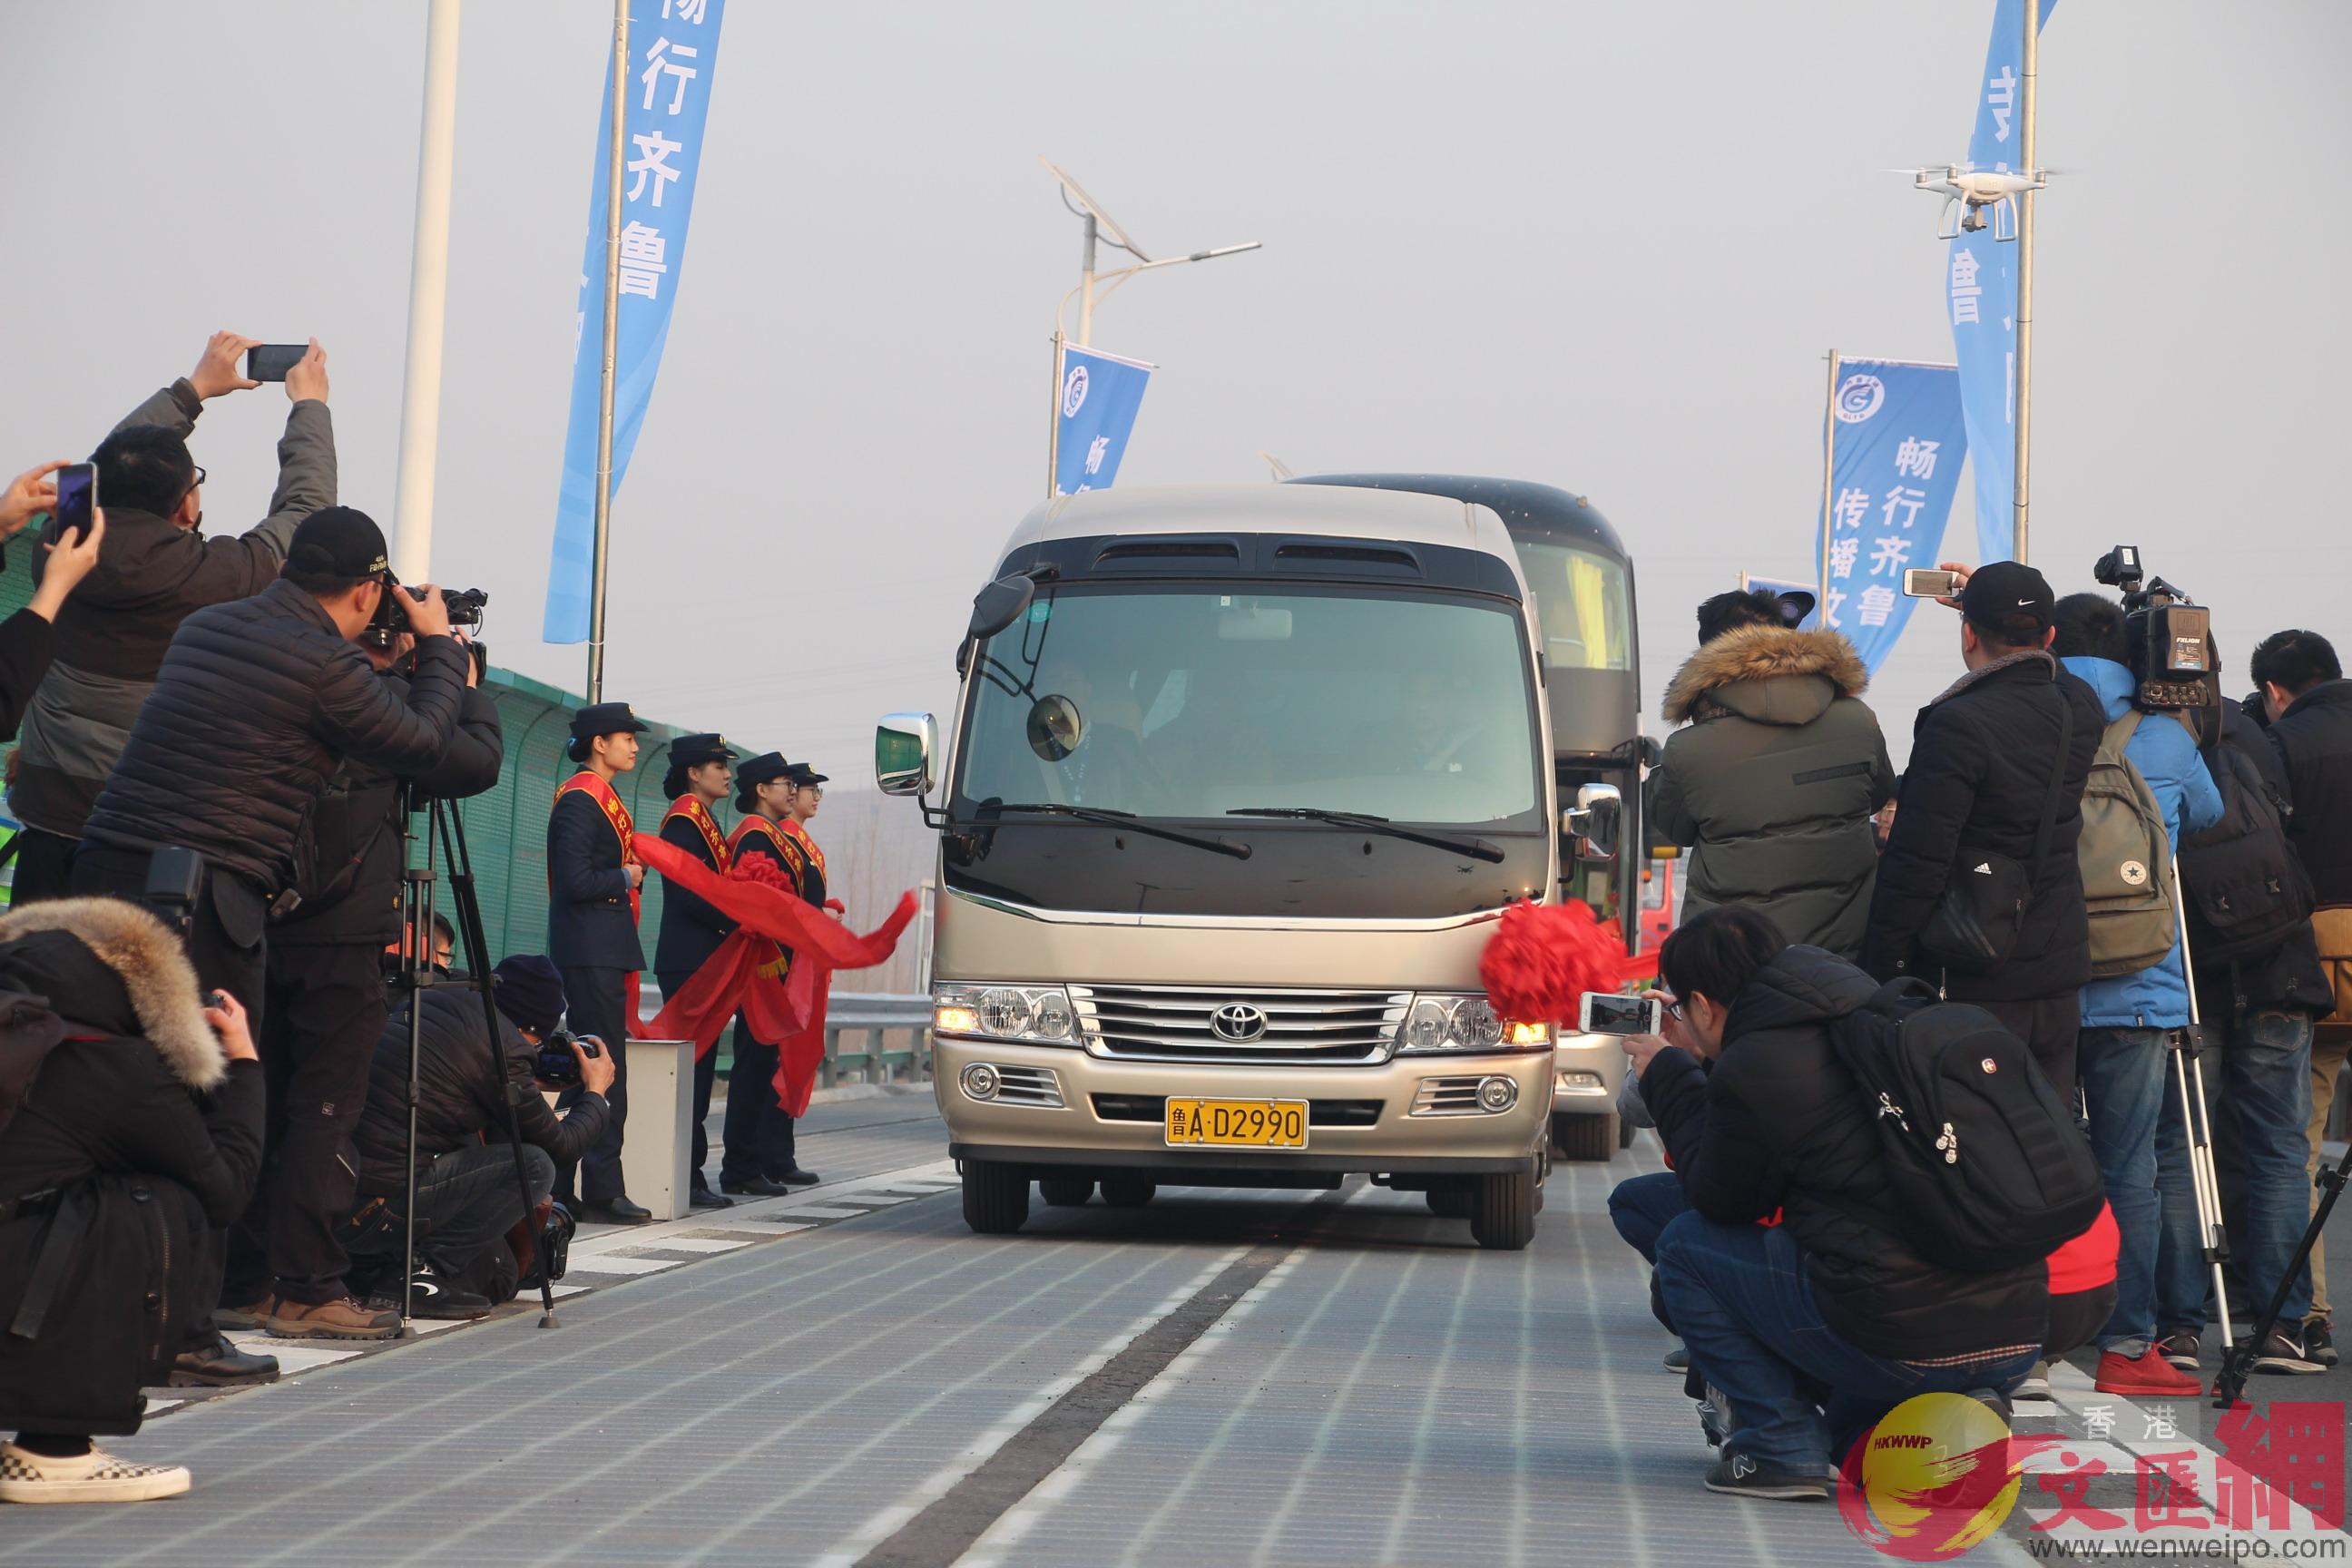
(27, 638)
(156, 569)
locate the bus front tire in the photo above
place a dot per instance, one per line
(995, 1197)
(1502, 1210)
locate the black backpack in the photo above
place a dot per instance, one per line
(1988, 1169)
(2248, 892)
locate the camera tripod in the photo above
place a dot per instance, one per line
(2196, 1123)
(444, 828)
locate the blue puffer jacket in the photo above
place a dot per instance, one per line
(2167, 757)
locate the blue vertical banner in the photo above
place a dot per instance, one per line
(1896, 438)
(673, 54)
(1980, 291)
(1100, 394)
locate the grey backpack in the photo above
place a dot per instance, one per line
(2126, 857)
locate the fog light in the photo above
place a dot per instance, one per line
(1497, 1094)
(952, 1018)
(1579, 1081)
(980, 1081)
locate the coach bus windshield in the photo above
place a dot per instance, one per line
(1581, 598)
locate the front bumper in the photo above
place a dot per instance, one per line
(1362, 1121)
(1587, 1070)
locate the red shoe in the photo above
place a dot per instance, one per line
(2148, 1373)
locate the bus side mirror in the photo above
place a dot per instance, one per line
(998, 605)
(904, 744)
(1598, 817)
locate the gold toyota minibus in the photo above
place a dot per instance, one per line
(1241, 779)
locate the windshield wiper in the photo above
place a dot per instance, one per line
(1103, 818)
(1476, 848)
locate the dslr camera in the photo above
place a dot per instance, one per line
(2170, 651)
(556, 1063)
(464, 604)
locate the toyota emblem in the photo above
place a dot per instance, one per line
(1238, 1023)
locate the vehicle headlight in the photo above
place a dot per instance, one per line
(1041, 1015)
(1436, 1022)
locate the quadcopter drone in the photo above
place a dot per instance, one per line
(1975, 199)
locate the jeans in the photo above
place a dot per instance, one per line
(2123, 1074)
(2266, 1069)
(1642, 1206)
(1743, 1301)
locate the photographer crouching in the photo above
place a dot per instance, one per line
(465, 1195)
(325, 1005)
(257, 705)
(130, 1133)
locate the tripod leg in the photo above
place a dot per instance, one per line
(477, 961)
(2196, 1129)
(416, 935)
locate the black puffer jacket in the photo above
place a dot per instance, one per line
(153, 1136)
(257, 704)
(348, 860)
(2314, 737)
(458, 1101)
(1979, 777)
(2287, 975)
(1779, 1124)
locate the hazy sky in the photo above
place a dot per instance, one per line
(1602, 246)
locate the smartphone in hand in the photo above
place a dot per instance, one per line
(76, 503)
(271, 362)
(1607, 1013)
(1929, 583)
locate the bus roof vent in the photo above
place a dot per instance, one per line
(1188, 549)
(1354, 557)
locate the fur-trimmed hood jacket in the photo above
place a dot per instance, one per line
(130, 1138)
(1771, 782)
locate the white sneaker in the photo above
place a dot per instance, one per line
(95, 1477)
(2036, 1385)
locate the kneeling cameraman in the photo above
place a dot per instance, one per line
(466, 1196)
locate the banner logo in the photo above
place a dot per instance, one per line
(1074, 391)
(1859, 398)
(1100, 394)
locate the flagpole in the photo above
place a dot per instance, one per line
(2033, 10)
(428, 296)
(1054, 428)
(1829, 474)
(614, 155)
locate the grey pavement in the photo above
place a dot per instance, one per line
(1378, 1392)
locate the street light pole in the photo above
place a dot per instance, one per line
(1087, 286)
(2024, 411)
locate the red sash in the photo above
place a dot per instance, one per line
(780, 961)
(588, 783)
(800, 835)
(691, 808)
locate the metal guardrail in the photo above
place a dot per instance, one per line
(870, 1018)
(873, 1018)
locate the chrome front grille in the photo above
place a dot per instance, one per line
(1028, 1085)
(1182, 1023)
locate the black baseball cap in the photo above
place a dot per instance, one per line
(2005, 593)
(338, 542)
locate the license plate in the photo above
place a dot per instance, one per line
(1238, 1123)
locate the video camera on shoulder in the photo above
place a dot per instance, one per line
(2170, 655)
(555, 1062)
(465, 606)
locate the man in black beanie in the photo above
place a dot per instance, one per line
(257, 705)
(466, 1196)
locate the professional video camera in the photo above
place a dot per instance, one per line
(2170, 656)
(391, 618)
